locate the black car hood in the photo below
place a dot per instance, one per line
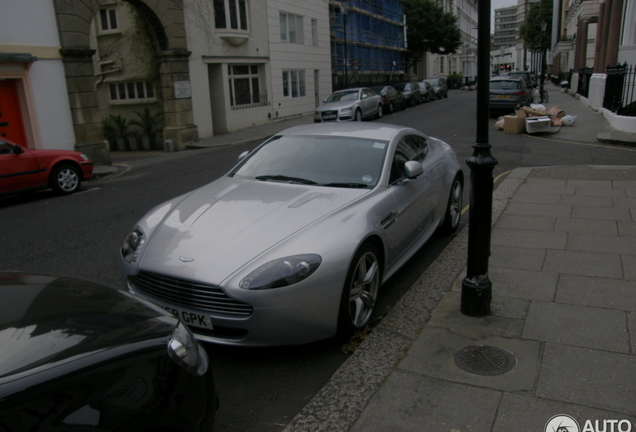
(47, 319)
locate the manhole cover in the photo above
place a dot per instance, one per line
(484, 360)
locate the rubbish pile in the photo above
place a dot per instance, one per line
(535, 118)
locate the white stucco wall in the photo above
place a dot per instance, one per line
(210, 47)
(305, 56)
(51, 122)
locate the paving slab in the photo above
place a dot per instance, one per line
(557, 211)
(526, 413)
(409, 402)
(517, 258)
(597, 292)
(587, 377)
(530, 223)
(575, 325)
(603, 213)
(602, 244)
(432, 355)
(587, 226)
(584, 264)
(529, 239)
(523, 284)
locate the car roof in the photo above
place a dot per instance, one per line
(379, 131)
(350, 89)
(506, 78)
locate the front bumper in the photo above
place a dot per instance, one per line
(333, 116)
(291, 324)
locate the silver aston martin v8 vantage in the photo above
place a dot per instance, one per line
(293, 244)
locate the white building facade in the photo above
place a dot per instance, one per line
(34, 99)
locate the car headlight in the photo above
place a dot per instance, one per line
(132, 244)
(346, 109)
(282, 272)
(184, 349)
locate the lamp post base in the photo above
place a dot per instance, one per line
(476, 296)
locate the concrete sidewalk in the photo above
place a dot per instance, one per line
(561, 338)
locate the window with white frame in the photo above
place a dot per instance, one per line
(108, 19)
(245, 86)
(314, 32)
(294, 83)
(139, 91)
(291, 28)
(230, 14)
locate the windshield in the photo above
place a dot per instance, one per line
(399, 87)
(322, 160)
(343, 96)
(433, 81)
(505, 85)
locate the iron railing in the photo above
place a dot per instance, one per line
(620, 90)
(585, 76)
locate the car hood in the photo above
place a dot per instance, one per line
(221, 227)
(46, 320)
(336, 105)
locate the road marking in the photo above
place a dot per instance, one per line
(128, 168)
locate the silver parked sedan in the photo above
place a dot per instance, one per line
(294, 243)
(353, 104)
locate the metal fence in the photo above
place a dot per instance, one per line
(619, 90)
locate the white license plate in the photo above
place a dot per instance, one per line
(329, 117)
(190, 318)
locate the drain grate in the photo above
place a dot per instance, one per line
(484, 360)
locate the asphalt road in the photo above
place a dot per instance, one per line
(260, 389)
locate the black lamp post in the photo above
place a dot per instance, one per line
(476, 286)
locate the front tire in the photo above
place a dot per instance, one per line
(358, 115)
(453, 213)
(379, 113)
(65, 179)
(360, 291)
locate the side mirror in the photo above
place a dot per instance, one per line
(243, 155)
(413, 169)
(364, 96)
(18, 149)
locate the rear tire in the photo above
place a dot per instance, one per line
(360, 291)
(379, 112)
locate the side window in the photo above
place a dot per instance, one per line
(418, 145)
(403, 154)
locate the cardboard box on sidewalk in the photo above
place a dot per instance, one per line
(515, 124)
(538, 124)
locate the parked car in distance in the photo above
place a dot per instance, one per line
(439, 85)
(81, 356)
(23, 169)
(411, 92)
(391, 98)
(426, 91)
(507, 93)
(294, 243)
(353, 104)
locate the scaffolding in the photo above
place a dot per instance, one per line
(367, 41)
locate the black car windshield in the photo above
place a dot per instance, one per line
(343, 96)
(322, 160)
(399, 87)
(432, 81)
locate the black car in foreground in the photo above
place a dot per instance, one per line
(83, 357)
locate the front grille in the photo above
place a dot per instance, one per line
(189, 294)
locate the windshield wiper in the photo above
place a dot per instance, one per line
(347, 185)
(279, 177)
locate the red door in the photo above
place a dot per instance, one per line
(11, 126)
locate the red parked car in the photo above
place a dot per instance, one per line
(22, 169)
